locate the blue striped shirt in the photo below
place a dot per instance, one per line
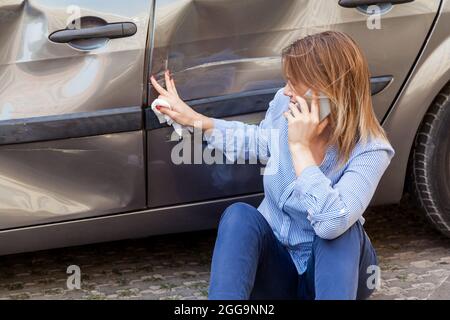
(325, 199)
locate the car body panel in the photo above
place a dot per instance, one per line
(199, 181)
(41, 78)
(67, 179)
(55, 92)
(181, 218)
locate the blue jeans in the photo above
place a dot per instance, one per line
(249, 262)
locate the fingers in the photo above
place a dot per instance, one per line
(294, 108)
(322, 125)
(173, 86)
(168, 82)
(166, 98)
(288, 116)
(169, 112)
(315, 106)
(303, 105)
(158, 87)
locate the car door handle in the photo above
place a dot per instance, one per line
(357, 3)
(109, 31)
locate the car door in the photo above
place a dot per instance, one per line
(225, 58)
(71, 92)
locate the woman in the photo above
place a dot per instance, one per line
(306, 239)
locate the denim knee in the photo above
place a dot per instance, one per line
(241, 215)
(356, 231)
(340, 265)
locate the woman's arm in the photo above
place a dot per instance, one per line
(332, 209)
(238, 140)
(235, 139)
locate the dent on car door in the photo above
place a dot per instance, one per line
(225, 58)
(71, 143)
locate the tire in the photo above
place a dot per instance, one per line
(430, 163)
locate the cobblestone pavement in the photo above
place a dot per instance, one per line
(414, 261)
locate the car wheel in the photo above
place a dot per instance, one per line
(430, 163)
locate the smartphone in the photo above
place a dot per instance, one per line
(324, 104)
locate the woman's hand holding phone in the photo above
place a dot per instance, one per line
(181, 112)
(304, 125)
(304, 130)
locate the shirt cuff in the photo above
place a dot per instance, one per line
(219, 127)
(311, 181)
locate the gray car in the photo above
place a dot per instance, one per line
(83, 159)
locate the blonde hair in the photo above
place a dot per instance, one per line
(332, 63)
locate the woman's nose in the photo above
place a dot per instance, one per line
(287, 91)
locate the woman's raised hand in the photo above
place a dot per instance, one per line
(304, 125)
(181, 112)
(304, 128)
